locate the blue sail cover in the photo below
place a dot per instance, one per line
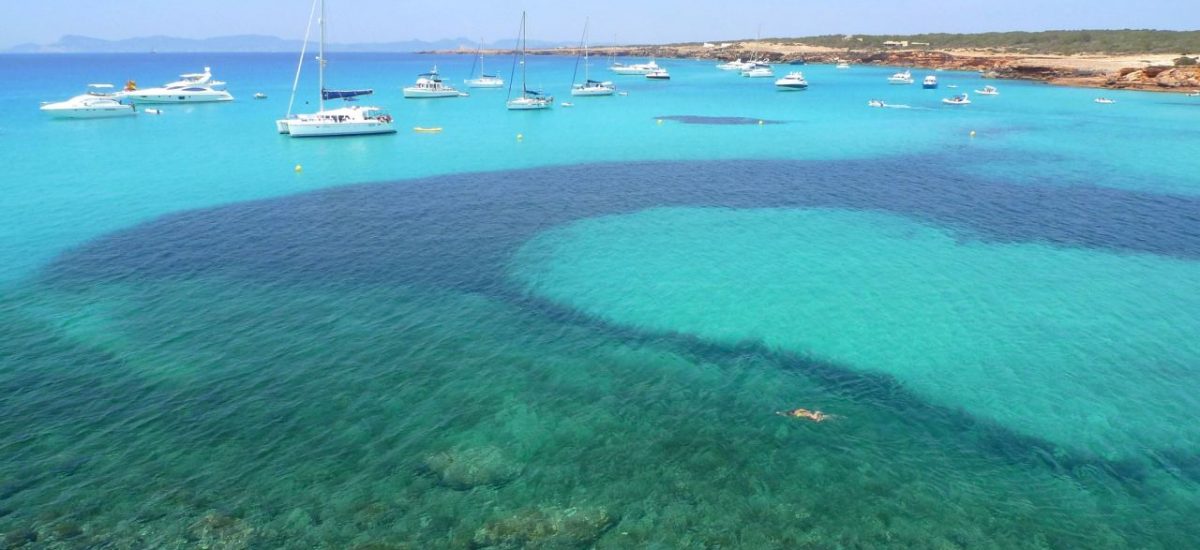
(344, 94)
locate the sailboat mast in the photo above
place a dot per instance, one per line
(321, 72)
(524, 69)
(586, 74)
(303, 51)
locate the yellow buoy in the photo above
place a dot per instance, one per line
(299, 168)
(520, 137)
(972, 133)
(660, 121)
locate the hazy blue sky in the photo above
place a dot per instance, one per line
(630, 20)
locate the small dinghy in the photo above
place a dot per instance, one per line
(1105, 100)
(421, 130)
(260, 95)
(960, 99)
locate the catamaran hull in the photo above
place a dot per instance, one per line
(485, 83)
(301, 129)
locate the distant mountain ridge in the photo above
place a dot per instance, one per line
(249, 43)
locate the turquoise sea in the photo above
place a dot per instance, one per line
(580, 338)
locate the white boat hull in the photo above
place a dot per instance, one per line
(167, 96)
(88, 112)
(592, 91)
(304, 128)
(529, 105)
(786, 87)
(485, 83)
(416, 93)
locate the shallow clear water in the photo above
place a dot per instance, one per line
(580, 338)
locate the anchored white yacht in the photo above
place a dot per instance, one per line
(589, 87)
(658, 74)
(530, 100)
(483, 80)
(793, 81)
(988, 90)
(759, 70)
(738, 65)
(636, 69)
(190, 88)
(344, 121)
(842, 65)
(930, 83)
(901, 78)
(98, 102)
(430, 85)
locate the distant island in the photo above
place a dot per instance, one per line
(244, 43)
(1119, 59)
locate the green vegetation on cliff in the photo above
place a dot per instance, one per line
(1057, 42)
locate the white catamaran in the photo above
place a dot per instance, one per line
(589, 87)
(345, 121)
(530, 100)
(483, 80)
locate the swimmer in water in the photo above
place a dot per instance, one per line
(815, 416)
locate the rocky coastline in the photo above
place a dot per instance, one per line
(1126, 72)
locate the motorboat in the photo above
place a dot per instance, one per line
(636, 69)
(190, 88)
(798, 61)
(759, 70)
(658, 74)
(529, 100)
(930, 83)
(988, 90)
(429, 85)
(738, 65)
(98, 102)
(1105, 100)
(482, 79)
(876, 103)
(589, 87)
(793, 81)
(842, 65)
(260, 95)
(901, 78)
(960, 99)
(1194, 94)
(351, 120)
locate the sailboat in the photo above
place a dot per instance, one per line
(344, 121)
(530, 100)
(484, 80)
(589, 87)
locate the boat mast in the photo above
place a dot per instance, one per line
(586, 74)
(303, 50)
(321, 72)
(524, 70)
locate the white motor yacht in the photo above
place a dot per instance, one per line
(930, 83)
(960, 99)
(98, 102)
(738, 65)
(343, 121)
(842, 65)
(638, 69)
(793, 81)
(658, 74)
(430, 85)
(901, 78)
(1105, 100)
(190, 88)
(988, 90)
(589, 87)
(876, 103)
(529, 100)
(759, 70)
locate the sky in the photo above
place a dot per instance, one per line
(629, 21)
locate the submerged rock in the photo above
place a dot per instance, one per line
(474, 467)
(546, 528)
(20, 537)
